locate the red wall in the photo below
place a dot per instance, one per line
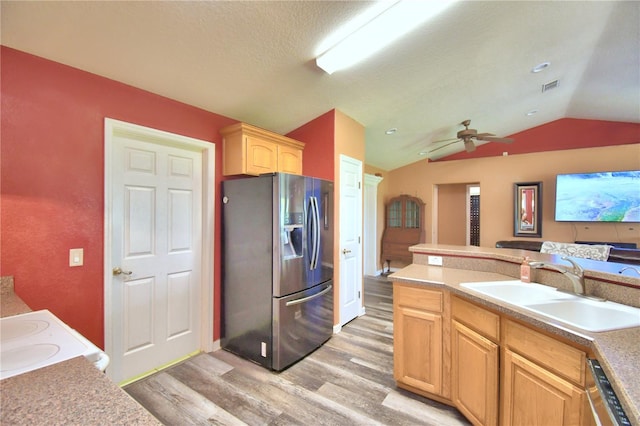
(566, 133)
(52, 179)
(318, 136)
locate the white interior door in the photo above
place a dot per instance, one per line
(156, 254)
(350, 239)
(370, 224)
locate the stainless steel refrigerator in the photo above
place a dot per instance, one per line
(277, 267)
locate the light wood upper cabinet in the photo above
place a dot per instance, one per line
(250, 150)
(289, 159)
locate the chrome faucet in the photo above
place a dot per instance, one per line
(575, 274)
(629, 267)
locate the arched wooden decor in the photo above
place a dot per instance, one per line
(404, 227)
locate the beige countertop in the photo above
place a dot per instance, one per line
(70, 392)
(618, 351)
(10, 303)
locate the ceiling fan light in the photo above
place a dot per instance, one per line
(469, 146)
(386, 26)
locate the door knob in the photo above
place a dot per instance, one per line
(345, 251)
(118, 271)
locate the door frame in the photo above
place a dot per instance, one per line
(471, 189)
(113, 128)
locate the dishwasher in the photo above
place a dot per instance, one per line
(604, 402)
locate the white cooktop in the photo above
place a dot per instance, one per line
(37, 339)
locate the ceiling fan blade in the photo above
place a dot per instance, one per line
(445, 145)
(494, 139)
(469, 145)
(444, 140)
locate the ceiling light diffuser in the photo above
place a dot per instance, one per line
(540, 67)
(384, 23)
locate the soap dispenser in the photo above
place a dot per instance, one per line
(525, 271)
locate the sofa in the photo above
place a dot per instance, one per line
(616, 254)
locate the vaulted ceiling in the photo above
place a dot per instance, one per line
(254, 62)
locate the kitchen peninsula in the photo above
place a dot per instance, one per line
(477, 348)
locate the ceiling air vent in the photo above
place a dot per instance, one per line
(548, 86)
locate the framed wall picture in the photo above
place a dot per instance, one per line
(527, 209)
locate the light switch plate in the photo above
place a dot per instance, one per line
(76, 257)
(435, 260)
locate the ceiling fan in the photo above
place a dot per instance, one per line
(468, 135)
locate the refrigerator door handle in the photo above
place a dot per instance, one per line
(315, 232)
(306, 299)
(317, 207)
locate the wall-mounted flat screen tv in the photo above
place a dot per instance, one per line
(598, 197)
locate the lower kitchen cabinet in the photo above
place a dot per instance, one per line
(475, 371)
(493, 368)
(419, 334)
(535, 396)
(474, 381)
(543, 379)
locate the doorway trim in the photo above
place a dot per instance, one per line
(472, 189)
(113, 128)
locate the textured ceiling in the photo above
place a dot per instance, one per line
(254, 62)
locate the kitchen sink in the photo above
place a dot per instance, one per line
(573, 310)
(590, 315)
(516, 292)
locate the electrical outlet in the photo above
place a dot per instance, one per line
(76, 257)
(435, 260)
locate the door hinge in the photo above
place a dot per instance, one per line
(358, 240)
(359, 185)
(359, 295)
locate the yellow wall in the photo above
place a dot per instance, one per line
(496, 177)
(349, 141)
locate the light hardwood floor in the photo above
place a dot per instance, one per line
(348, 381)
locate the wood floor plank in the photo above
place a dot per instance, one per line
(424, 412)
(178, 404)
(294, 400)
(217, 390)
(371, 408)
(347, 381)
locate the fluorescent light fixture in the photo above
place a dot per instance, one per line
(378, 27)
(540, 67)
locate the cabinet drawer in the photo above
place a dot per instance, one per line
(476, 318)
(563, 359)
(419, 298)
